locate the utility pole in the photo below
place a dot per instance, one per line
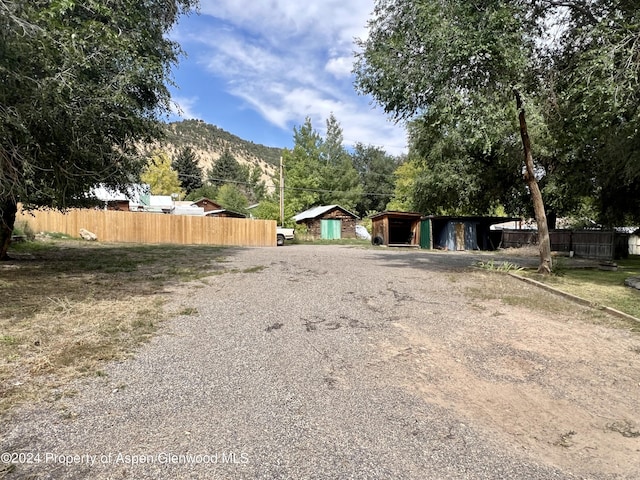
(281, 193)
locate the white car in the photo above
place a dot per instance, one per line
(362, 232)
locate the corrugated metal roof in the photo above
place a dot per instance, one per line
(317, 211)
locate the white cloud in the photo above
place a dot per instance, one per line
(288, 60)
(183, 107)
(340, 67)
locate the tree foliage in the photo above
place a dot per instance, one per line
(303, 169)
(189, 173)
(81, 83)
(594, 98)
(232, 198)
(451, 67)
(162, 179)
(226, 170)
(319, 171)
(246, 179)
(339, 178)
(375, 170)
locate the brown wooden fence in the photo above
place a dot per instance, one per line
(598, 244)
(138, 227)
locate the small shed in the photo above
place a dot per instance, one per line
(207, 204)
(396, 229)
(328, 222)
(464, 233)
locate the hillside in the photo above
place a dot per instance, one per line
(209, 142)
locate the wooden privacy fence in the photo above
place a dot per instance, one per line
(139, 227)
(599, 244)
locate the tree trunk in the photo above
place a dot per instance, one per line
(544, 242)
(8, 210)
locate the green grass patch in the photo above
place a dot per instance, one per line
(70, 306)
(602, 287)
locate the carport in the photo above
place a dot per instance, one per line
(396, 229)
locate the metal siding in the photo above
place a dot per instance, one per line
(470, 237)
(448, 236)
(425, 234)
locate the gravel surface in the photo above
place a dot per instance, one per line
(286, 371)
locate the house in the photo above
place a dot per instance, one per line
(328, 222)
(186, 208)
(396, 229)
(207, 204)
(123, 200)
(118, 205)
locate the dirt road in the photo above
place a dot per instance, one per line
(338, 362)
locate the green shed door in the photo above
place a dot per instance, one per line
(425, 234)
(330, 229)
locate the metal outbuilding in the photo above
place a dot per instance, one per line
(465, 232)
(410, 229)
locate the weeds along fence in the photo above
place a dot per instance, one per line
(139, 227)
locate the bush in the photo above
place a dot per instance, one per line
(22, 228)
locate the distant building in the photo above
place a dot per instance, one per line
(207, 204)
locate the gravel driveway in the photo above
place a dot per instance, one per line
(327, 362)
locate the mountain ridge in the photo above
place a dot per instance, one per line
(209, 143)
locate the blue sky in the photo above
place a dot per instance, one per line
(258, 68)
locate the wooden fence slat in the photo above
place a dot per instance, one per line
(140, 227)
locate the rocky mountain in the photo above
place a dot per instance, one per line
(209, 142)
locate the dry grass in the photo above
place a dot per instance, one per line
(68, 307)
(605, 288)
(496, 286)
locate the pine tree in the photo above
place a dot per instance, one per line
(189, 173)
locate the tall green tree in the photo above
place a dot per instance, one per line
(375, 169)
(189, 173)
(232, 198)
(477, 60)
(595, 101)
(405, 176)
(303, 168)
(256, 188)
(81, 84)
(226, 170)
(339, 177)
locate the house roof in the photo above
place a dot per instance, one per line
(206, 200)
(231, 213)
(132, 193)
(391, 213)
(315, 212)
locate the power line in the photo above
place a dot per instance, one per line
(298, 189)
